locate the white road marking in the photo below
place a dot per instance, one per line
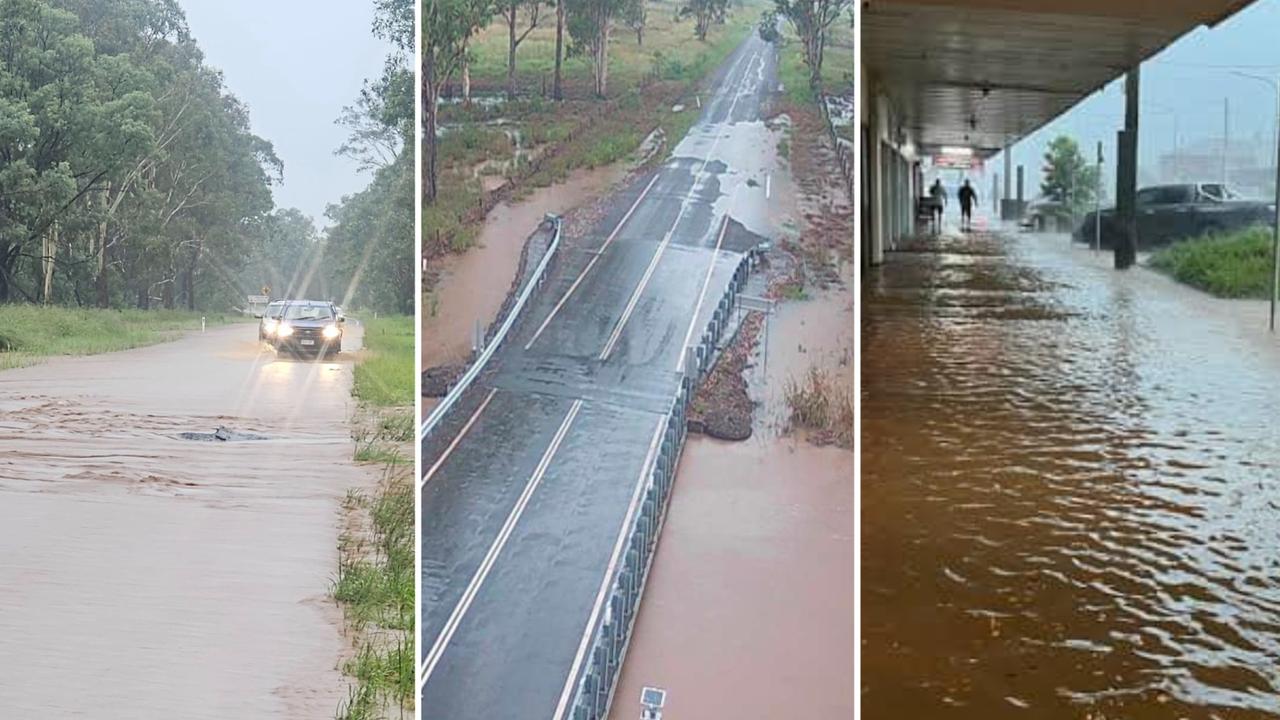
(566, 695)
(591, 264)
(443, 456)
(768, 185)
(666, 239)
(706, 282)
(460, 610)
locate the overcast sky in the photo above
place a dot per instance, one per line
(1183, 85)
(295, 64)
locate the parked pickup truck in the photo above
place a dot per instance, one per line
(1168, 213)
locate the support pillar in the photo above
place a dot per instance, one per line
(1005, 213)
(1126, 244)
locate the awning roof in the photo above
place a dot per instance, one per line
(982, 73)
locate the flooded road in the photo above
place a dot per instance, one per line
(1070, 487)
(143, 575)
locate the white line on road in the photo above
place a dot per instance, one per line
(566, 694)
(591, 264)
(460, 610)
(706, 282)
(443, 456)
(666, 239)
(768, 186)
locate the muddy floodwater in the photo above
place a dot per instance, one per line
(1070, 490)
(143, 575)
(748, 611)
(474, 284)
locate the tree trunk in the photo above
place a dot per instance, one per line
(8, 260)
(50, 251)
(602, 55)
(166, 296)
(512, 16)
(100, 283)
(430, 102)
(555, 87)
(466, 74)
(191, 275)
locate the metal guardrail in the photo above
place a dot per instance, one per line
(439, 411)
(609, 644)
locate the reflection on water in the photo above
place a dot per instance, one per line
(1071, 503)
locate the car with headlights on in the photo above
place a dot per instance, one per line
(308, 327)
(268, 320)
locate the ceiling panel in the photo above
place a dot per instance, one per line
(982, 73)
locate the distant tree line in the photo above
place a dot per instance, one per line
(129, 175)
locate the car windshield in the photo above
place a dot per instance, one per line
(273, 310)
(308, 312)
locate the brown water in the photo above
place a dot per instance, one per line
(1070, 490)
(748, 612)
(145, 576)
(474, 284)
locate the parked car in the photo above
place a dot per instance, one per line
(308, 327)
(1168, 213)
(1044, 214)
(268, 320)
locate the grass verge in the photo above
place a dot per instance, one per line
(385, 376)
(1233, 265)
(31, 332)
(375, 584)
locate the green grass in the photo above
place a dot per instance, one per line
(376, 589)
(1233, 265)
(385, 376)
(837, 65)
(645, 82)
(375, 583)
(31, 332)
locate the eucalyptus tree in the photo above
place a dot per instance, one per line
(810, 19)
(446, 27)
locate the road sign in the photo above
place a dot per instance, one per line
(259, 299)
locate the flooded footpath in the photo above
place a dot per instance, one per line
(143, 575)
(1070, 489)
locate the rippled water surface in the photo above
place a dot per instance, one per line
(1071, 490)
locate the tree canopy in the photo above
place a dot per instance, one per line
(129, 175)
(1067, 177)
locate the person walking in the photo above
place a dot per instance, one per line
(967, 197)
(938, 195)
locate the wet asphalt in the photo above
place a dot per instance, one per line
(521, 512)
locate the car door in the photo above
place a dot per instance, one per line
(1177, 217)
(1146, 203)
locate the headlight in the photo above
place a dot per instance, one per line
(284, 330)
(269, 326)
(331, 331)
